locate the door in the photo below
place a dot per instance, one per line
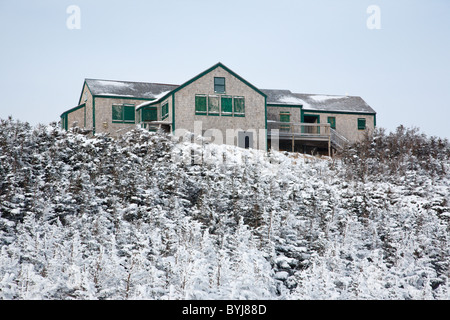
(311, 118)
(245, 139)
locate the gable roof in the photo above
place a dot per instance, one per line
(318, 102)
(158, 91)
(217, 65)
(142, 90)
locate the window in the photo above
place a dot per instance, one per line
(285, 117)
(361, 124)
(227, 105)
(200, 104)
(216, 105)
(128, 113)
(164, 111)
(219, 85)
(117, 113)
(213, 105)
(239, 107)
(123, 113)
(332, 122)
(149, 114)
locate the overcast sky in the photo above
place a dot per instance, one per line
(402, 69)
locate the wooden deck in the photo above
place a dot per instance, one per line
(306, 132)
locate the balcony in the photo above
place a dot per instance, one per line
(320, 134)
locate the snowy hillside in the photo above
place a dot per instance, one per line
(138, 218)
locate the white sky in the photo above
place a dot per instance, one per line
(322, 47)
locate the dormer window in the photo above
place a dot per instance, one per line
(219, 85)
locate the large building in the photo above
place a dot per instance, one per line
(221, 104)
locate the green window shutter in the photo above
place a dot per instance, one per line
(219, 84)
(129, 113)
(361, 124)
(65, 122)
(332, 122)
(213, 105)
(117, 112)
(285, 117)
(200, 105)
(164, 111)
(239, 106)
(149, 114)
(227, 105)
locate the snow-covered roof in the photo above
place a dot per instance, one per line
(318, 102)
(156, 91)
(157, 98)
(128, 88)
(322, 102)
(282, 97)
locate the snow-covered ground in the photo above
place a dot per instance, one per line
(140, 218)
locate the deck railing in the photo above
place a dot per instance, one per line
(306, 130)
(338, 140)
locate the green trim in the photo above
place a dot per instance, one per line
(332, 122)
(226, 101)
(284, 105)
(285, 116)
(173, 112)
(93, 115)
(265, 107)
(164, 107)
(201, 104)
(64, 121)
(361, 123)
(339, 112)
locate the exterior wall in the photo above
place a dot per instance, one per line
(255, 113)
(347, 124)
(81, 117)
(273, 113)
(76, 118)
(103, 115)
